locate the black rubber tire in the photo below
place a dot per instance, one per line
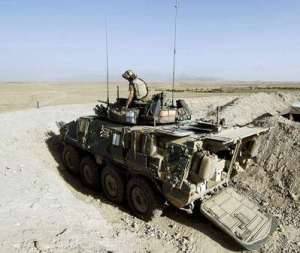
(71, 159)
(150, 204)
(113, 184)
(90, 173)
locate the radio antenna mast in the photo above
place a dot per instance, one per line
(107, 65)
(174, 52)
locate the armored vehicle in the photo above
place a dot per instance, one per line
(187, 165)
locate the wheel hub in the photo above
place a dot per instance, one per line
(139, 200)
(69, 161)
(111, 185)
(88, 175)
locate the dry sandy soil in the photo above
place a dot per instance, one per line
(45, 209)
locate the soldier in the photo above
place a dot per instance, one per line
(138, 89)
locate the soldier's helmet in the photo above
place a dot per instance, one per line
(129, 75)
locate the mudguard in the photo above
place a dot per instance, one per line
(239, 218)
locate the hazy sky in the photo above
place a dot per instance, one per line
(226, 39)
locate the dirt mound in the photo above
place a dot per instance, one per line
(240, 109)
(280, 157)
(247, 108)
(274, 181)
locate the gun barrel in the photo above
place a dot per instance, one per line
(103, 102)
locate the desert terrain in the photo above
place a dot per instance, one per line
(45, 209)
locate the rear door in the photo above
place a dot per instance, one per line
(239, 217)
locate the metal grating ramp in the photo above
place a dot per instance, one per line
(238, 216)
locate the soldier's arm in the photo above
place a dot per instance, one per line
(130, 95)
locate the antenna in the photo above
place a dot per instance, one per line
(174, 52)
(107, 66)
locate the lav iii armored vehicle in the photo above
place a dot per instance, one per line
(153, 156)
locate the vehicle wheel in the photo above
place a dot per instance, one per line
(71, 159)
(89, 173)
(112, 184)
(142, 199)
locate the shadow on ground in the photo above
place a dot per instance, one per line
(200, 223)
(203, 225)
(55, 146)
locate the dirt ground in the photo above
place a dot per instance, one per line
(45, 209)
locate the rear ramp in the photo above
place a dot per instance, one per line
(239, 218)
